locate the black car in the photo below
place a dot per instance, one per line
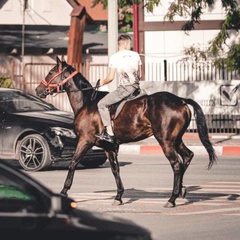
(28, 209)
(38, 134)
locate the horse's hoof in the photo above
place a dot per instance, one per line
(169, 205)
(183, 191)
(117, 202)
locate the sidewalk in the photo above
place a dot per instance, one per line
(224, 144)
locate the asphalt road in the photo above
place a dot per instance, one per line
(211, 209)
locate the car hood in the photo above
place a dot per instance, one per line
(109, 223)
(59, 116)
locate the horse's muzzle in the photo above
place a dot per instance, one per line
(42, 94)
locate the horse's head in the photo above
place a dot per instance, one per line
(56, 78)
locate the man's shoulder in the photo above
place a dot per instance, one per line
(133, 52)
(125, 52)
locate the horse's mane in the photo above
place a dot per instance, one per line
(85, 86)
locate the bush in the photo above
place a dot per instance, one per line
(6, 82)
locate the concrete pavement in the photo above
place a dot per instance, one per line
(224, 144)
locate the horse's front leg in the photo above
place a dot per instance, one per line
(112, 157)
(80, 151)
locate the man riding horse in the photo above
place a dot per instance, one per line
(161, 114)
(127, 64)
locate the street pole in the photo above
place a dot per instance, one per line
(25, 6)
(112, 34)
(135, 27)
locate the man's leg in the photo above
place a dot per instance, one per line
(113, 97)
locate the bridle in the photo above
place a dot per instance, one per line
(58, 86)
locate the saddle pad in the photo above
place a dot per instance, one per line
(120, 106)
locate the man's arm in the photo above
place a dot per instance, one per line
(140, 71)
(109, 78)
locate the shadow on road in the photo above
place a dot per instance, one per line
(193, 196)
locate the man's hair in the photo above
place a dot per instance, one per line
(124, 37)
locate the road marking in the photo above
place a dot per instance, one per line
(208, 198)
(222, 210)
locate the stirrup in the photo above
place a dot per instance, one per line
(100, 135)
(104, 136)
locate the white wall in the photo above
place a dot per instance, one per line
(170, 45)
(39, 12)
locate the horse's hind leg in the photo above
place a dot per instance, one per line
(178, 170)
(112, 157)
(186, 155)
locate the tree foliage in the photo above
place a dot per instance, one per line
(125, 13)
(192, 10)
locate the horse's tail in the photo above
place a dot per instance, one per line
(203, 131)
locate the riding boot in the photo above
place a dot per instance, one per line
(105, 136)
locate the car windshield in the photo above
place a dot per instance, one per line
(18, 101)
(11, 187)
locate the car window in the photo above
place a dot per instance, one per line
(9, 192)
(16, 195)
(18, 101)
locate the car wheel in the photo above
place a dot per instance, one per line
(33, 153)
(89, 163)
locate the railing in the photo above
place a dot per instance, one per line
(187, 71)
(219, 123)
(159, 71)
(93, 71)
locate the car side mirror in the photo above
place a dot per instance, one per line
(56, 204)
(62, 204)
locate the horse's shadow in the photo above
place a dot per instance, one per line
(133, 195)
(65, 166)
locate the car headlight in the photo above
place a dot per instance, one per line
(59, 131)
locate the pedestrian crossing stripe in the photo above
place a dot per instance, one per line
(208, 198)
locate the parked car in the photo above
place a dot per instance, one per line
(29, 209)
(38, 134)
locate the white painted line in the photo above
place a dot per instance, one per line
(131, 149)
(210, 211)
(225, 137)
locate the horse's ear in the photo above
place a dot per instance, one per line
(59, 63)
(63, 60)
(58, 60)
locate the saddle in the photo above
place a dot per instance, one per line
(116, 108)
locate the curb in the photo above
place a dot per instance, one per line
(155, 149)
(213, 136)
(226, 150)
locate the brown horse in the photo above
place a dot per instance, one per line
(162, 114)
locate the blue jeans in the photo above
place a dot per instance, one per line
(115, 96)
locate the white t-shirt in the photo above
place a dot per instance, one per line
(126, 63)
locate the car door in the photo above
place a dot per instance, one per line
(1, 127)
(4, 126)
(21, 207)
(9, 130)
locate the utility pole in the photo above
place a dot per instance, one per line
(25, 6)
(112, 34)
(135, 27)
